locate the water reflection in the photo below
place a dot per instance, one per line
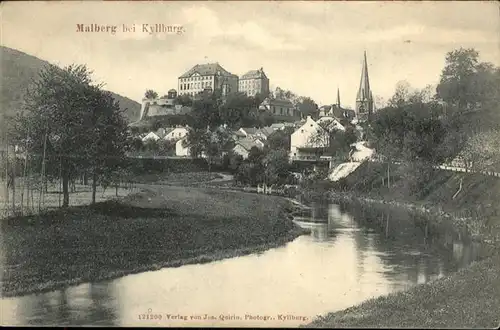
(351, 255)
(72, 306)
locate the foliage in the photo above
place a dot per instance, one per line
(232, 161)
(239, 110)
(108, 138)
(412, 132)
(405, 94)
(456, 84)
(71, 121)
(150, 94)
(481, 151)
(280, 139)
(276, 167)
(184, 100)
(338, 141)
(307, 107)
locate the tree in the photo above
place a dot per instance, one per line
(196, 140)
(238, 110)
(470, 90)
(405, 94)
(276, 167)
(184, 100)
(232, 161)
(401, 94)
(481, 151)
(56, 108)
(456, 84)
(71, 126)
(336, 140)
(218, 143)
(166, 147)
(307, 106)
(409, 133)
(280, 139)
(205, 112)
(108, 139)
(150, 94)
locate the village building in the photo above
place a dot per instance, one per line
(211, 76)
(364, 97)
(282, 110)
(330, 124)
(309, 141)
(151, 136)
(174, 134)
(254, 82)
(337, 111)
(244, 146)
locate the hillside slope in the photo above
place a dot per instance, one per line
(17, 69)
(437, 188)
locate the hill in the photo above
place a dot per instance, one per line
(17, 71)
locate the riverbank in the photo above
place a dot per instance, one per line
(161, 227)
(466, 299)
(468, 201)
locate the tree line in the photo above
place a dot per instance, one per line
(459, 121)
(70, 127)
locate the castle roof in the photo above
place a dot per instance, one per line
(254, 74)
(209, 69)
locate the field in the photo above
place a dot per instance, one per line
(164, 226)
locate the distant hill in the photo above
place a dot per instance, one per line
(17, 71)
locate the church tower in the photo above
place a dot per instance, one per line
(338, 97)
(364, 98)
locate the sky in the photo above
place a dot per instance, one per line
(310, 48)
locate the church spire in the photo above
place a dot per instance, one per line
(364, 98)
(338, 97)
(364, 84)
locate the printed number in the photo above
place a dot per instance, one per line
(150, 316)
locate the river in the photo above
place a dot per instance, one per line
(346, 259)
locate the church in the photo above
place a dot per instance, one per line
(364, 97)
(364, 101)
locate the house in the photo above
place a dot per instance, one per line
(264, 132)
(247, 131)
(151, 136)
(254, 82)
(280, 109)
(176, 133)
(282, 126)
(210, 76)
(336, 111)
(237, 135)
(180, 149)
(244, 146)
(330, 123)
(309, 141)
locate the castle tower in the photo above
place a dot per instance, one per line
(364, 98)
